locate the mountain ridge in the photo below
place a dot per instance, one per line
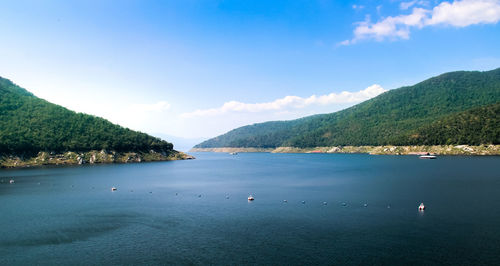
(391, 118)
(31, 126)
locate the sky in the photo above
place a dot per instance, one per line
(197, 69)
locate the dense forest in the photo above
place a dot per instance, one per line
(29, 124)
(406, 116)
(476, 126)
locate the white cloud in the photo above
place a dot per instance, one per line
(406, 5)
(458, 14)
(155, 107)
(465, 13)
(289, 102)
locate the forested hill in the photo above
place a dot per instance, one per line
(404, 116)
(29, 125)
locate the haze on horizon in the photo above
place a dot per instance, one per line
(197, 69)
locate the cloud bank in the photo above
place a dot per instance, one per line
(289, 102)
(457, 14)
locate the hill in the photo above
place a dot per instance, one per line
(29, 125)
(397, 117)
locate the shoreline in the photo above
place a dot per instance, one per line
(90, 157)
(374, 150)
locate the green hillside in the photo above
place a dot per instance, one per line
(29, 125)
(474, 127)
(397, 117)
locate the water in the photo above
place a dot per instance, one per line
(70, 215)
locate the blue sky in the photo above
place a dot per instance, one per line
(197, 69)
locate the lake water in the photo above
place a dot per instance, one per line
(196, 212)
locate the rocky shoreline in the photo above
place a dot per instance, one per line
(376, 150)
(90, 157)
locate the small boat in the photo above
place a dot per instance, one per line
(250, 198)
(365, 205)
(11, 181)
(233, 153)
(285, 201)
(427, 156)
(325, 203)
(421, 207)
(113, 189)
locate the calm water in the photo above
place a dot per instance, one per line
(70, 216)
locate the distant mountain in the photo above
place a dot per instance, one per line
(409, 115)
(180, 143)
(29, 125)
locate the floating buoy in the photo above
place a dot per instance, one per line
(421, 207)
(303, 202)
(227, 197)
(344, 204)
(365, 205)
(325, 203)
(285, 201)
(199, 196)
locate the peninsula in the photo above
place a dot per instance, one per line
(34, 132)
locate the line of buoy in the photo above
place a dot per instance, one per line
(421, 207)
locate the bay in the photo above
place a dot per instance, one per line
(339, 209)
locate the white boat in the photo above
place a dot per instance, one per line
(11, 181)
(427, 156)
(233, 153)
(250, 198)
(113, 189)
(421, 207)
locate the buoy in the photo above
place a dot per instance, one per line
(199, 196)
(285, 201)
(365, 205)
(421, 207)
(303, 202)
(324, 203)
(344, 204)
(227, 197)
